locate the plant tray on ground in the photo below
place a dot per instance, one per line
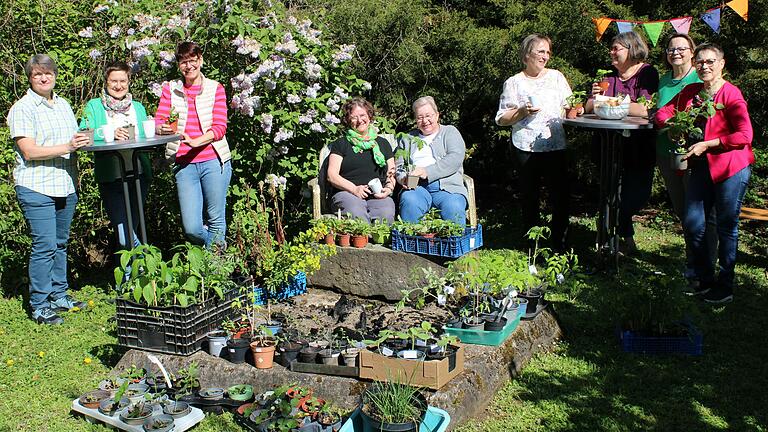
(181, 424)
(435, 420)
(324, 369)
(431, 373)
(297, 285)
(174, 329)
(482, 337)
(450, 247)
(691, 344)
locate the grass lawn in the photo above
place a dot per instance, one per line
(585, 384)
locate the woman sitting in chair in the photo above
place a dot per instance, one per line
(434, 154)
(360, 163)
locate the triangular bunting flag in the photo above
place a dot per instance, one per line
(712, 18)
(681, 25)
(601, 24)
(654, 30)
(741, 7)
(624, 26)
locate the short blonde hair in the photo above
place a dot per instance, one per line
(424, 100)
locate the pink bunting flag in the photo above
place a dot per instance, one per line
(681, 25)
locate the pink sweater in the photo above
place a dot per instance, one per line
(187, 154)
(731, 124)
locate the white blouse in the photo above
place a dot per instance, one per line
(542, 131)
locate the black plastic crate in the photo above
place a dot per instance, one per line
(174, 329)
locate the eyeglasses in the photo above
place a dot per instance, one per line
(677, 49)
(709, 62)
(617, 48)
(39, 75)
(190, 62)
(421, 119)
(359, 118)
(542, 53)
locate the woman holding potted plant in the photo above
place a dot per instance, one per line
(678, 55)
(434, 154)
(116, 108)
(203, 167)
(360, 166)
(532, 103)
(720, 169)
(636, 79)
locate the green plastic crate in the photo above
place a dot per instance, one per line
(482, 337)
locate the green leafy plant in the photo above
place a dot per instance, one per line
(648, 103)
(433, 286)
(601, 74)
(173, 116)
(186, 379)
(358, 227)
(424, 331)
(683, 124)
(576, 98)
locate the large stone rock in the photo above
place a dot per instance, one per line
(486, 370)
(370, 272)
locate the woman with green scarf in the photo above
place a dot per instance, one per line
(361, 167)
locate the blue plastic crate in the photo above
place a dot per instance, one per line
(296, 286)
(450, 247)
(435, 420)
(692, 344)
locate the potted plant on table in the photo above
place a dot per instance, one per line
(575, 104)
(173, 120)
(159, 423)
(263, 347)
(600, 79)
(240, 392)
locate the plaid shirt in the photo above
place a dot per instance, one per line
(48, 124)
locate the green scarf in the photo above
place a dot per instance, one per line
(366, 142)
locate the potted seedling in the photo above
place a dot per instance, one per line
(177, 409)
(92, 398)
(359, 230)
(380, 231)
(403, 153)
(159, 423)
(343, 232)
(173, 120)
(424, 331)
(649, 104)
(328, 227)
(330, 354)
(116, 402)
(330, 417)
(85, 125)
(217, 340)
(575, 104)
(240, 392)
(601, 80)
(186, 380)
(683, 129)
(263, 347)
(392, 406)
(136, 413)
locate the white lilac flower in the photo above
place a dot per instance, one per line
(292, 20)
(167, 56)
(276, 181)
(343, 54)
(266, 122)
(268, 21)
(305, 30)
(114, 31)
(227, 8)
(287, 37)
(311, 91)
(177, 22)
(100, 8)
(130, 31)
(156, 88)
(331, 119)
(94, 54)
(86, 32)
(441, 299)
(247, 46)
(146, 22)
(366, 86)
(289, 47)
(165, 65)
(316, 127)
(140, 53)
(448, 289)
(332, 104)
(338, 91)
(560, 278)
(313, 71)
(305, 119)
(293, 98)
(282, 135)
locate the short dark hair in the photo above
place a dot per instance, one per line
(638, 49)
(188, 49)
(691, 45)
(353, 103)
(118, 66)
(710, 47)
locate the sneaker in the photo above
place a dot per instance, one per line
(67, 303)
(719, 294)
(46, 315)
(695, 288)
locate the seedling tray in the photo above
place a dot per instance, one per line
(324, 369)
(692, 344)
(435, 420)
(194, 417)
(450, 247)
(482, 337)
(432, 374)
(297, 285)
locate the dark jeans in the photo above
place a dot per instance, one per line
(636, 186)
(114, 204)
(725, 198)
(550, 168)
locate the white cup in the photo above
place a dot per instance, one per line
(534, 101)
(106, 132)
(375, 185)
(149, 128)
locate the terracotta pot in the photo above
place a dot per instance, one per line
(263, 356)
(604, 85)
(330, 239)
(343, 240)
(174, 126)
(571, 113)
(359, 241)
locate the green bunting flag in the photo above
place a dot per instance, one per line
(654, 30)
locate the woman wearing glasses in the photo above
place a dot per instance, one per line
(719, 170)
(532, 103)
(203, 168)
(635, 78)
(679, 57)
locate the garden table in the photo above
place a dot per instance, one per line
(610, 133)
(127, 154)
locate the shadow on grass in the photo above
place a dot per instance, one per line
(108, 354)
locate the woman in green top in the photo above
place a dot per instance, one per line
(117, 108)
(678, 55)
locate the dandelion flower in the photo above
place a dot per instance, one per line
(91, 303)
(9, 362)
(87, 360)
(41, 354)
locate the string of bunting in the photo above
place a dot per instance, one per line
(681, 25)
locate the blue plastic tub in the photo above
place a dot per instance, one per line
(436, 420)
(295, 286)
(692, 344)
(450, 247)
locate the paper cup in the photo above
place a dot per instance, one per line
(534, 101)
(149, 128)
(375, 185)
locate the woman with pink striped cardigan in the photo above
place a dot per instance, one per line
(203, 167)
(719, 170)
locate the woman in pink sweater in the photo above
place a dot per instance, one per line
(203, 168)
(720, 169)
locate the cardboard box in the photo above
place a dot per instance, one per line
(432, 374)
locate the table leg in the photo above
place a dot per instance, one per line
(126, 197)
(610, 196)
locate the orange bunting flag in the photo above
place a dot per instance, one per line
(601, 24)
(741, 7)
(653, 29)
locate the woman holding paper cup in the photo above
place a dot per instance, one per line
(532, 103)
(361, 165)
(436, 158)
(115, 116)
(632, 78)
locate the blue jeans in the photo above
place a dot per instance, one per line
(416, 202)
(114, 204)
(49, 219)
(725, 197)
(202, 186)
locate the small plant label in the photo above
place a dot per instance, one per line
(387, 352)
(532, 269)
(471, 242)
(410, 355)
